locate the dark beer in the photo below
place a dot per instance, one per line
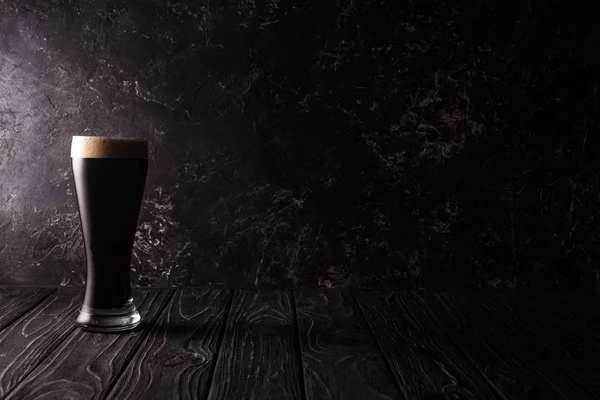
(110, 174)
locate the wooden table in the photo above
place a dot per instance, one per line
(313, 344)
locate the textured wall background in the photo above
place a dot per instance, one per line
(332, 143)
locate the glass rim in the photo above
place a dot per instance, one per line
(111, 138)
(108, 147)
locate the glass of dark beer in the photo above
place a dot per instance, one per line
(110, 174)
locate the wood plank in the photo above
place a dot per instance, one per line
(87, 364)
(259, 357)
(580, 314)
(571, 347)
(477, 334)
(536, 345)
(25, 343)
(14, 302)
(177, 358)
(424, 361)
(340, 356)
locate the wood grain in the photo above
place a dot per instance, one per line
(424, 361)
(513, 373)
(575, 322)
(340, 356)
(177, 358)
(87, 364)
(15, 302)
(25, 343)
(537, 348)
(581, 315)
(259, 357)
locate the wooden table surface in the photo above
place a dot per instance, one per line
(304, 344)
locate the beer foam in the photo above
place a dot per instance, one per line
(108, 147)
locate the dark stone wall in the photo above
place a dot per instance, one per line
(300, 143)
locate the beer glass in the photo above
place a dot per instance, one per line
(110, 174)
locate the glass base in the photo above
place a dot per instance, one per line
(111, 320)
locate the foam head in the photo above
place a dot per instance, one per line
(108, 147)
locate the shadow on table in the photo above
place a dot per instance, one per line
(186, 328)
(171, 328)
